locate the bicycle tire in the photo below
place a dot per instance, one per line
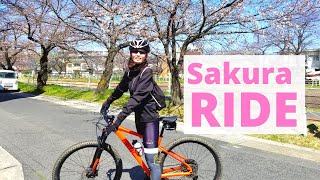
(65, 157)
(192, 144)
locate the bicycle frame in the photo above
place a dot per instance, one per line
(166, 172)
(120, 133)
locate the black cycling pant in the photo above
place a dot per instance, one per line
(150, 132)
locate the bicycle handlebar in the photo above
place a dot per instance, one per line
(108, 118)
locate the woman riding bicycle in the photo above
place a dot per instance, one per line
(138, 80)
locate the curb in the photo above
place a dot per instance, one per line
(10, 168)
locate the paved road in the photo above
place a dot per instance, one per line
(36, 133)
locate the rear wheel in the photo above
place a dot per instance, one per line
(200, 155)
(75, 162)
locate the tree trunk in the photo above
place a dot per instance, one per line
(9, 65)
(10, 68)
(43, 73)
(3, 66)
(107, 73)
(177, 96)
(176, 88)
(8, 61)
(176, 92)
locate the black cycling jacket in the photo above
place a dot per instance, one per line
(140, 101)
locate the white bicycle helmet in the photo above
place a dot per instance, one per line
(139, 44)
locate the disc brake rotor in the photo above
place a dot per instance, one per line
(194, 166)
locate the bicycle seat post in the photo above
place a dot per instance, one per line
(161, 135)
(162, 130)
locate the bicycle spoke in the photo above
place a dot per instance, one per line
(199, 156)
(75, 164)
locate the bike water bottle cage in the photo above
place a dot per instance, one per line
(169, 123)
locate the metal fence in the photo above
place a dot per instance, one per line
(90, 81)
(80, 76)
(313, 81)
(313, 100)
(313, 104)
(86, 76)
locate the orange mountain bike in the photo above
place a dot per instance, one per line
(185, 158)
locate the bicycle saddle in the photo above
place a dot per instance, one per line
(169, 119)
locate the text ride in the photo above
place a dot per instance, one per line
(246, 120)
(244, 94)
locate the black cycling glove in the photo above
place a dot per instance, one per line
(114, 126)
(105, 106)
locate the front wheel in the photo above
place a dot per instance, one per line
(200, 155)
(75, 162)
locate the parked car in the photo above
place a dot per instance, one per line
(8, 80)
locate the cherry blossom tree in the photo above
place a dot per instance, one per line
(297, 36)
(291, 38)
(110, 23)
(12, 45)
(39, 24)
(179, 23)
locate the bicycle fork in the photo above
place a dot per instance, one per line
(92, 171)
(94, 164)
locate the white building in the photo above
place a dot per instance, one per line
(82, 62)
(312, 59)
